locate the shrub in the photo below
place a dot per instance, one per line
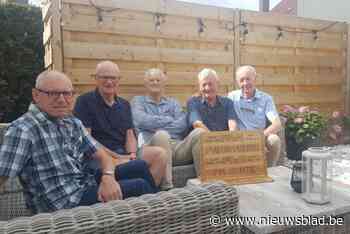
(21, 57)
(303, 123)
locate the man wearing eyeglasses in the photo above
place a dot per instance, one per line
(108, 117)
(254, 108)
(47, 148)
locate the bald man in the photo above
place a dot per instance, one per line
(47, 148)
(254, 108)
(109, 120)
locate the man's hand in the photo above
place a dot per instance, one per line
(132, 156)
(109, 189)
(266, 133)
(117, 159)
(200, 124)
(120, 160)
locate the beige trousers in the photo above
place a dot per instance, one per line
(178, 152)
(273, 144)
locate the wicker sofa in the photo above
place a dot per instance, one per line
(181, 210)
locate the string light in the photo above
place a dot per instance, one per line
(280, 33)
(201, 25)
(100, 10)
(159, 19)
(314, 32)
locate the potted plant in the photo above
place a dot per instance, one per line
(304, 128)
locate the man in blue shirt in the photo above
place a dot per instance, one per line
(160, 121)
(254, 108)
(108, 117)
(209, 111)
(48, 148)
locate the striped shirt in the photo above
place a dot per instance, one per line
(254, 112)
(48, 156)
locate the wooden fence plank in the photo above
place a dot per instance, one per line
(300, 79)
(297, 41)
(138, 53)
(117, 39)
(237, 41)
(46, 10)
(170, 7)
(269, 59)
(188, 31)
(347, 68)
(47, 34)
(290, 22)
(56, 43)
(87, 76)
(307, 97)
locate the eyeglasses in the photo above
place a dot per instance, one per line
(57, 94)
(108, 77)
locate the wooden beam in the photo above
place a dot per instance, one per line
(128, 22)
(82, 76)
(271, 59)
(169, 7)
(269, 38)
(46, 10)
(56, 41)
(237, 41)
(264, 5)
(347, 91)
(141, 53)
(291, 22)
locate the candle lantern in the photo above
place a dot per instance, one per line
(317, 175)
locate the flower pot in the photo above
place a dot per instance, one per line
(295, 150)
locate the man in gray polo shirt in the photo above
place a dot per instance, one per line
(254, 108)
(161, 121)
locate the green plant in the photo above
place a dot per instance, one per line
(303, 123)
(21, 57)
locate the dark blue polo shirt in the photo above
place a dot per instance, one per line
(214, 117)
(108, 124)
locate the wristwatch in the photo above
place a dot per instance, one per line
(110, 173)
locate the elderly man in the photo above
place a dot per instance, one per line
(254, 108)
(108, 118)
(209, 111)
(47, 148)
(160, 121)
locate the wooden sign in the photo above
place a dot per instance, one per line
(234, 157)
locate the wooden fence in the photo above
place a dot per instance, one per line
(299, 61)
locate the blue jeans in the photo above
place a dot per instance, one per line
(133, 177)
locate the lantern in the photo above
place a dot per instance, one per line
(317, 175)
